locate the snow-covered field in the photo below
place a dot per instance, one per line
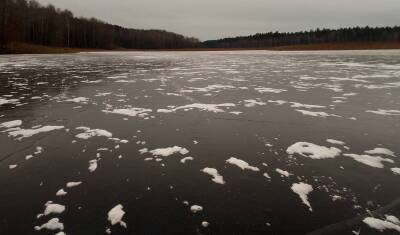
(200, 143)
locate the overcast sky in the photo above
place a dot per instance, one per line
(212, 19)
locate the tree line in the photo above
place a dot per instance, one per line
(275, 39)
(29, 22)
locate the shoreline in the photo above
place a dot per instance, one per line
(23, 48)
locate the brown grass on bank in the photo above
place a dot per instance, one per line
(25, 48)
(340, 46)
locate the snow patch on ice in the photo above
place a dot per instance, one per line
(115, 215)
(303, 189)
(384, 151)
(217, 178)
(24, 133)
(165, 152)
(241, 164)
(369, 160)
(381, 224)
(313, 151)
(89, 133)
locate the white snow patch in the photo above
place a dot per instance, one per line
(338, 142)
(313, 151)
(115, 215)
(53, 224)
(316, 114)
(282, 172)
(183, 160)
(89, 133)
(253, 103)
(132, 112)
(52, 208)
(303, 189)
(384, 151)
(73, 184)
(11, 124)
(61, 192)
(241, 164)
(92, 165)
(381, 224)
(395, 170)
(83, 100)
(370, 160)
(269, 90)
(391, 112)
(216, 108)
(165, 152)
(217, 178)
(24, 133)
(196, 208)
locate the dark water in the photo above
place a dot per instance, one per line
(358, 94)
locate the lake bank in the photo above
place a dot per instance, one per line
(24, 48)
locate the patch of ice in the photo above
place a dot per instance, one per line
(313, 151)
(217, 178)
(165, 152)
(115, 215)
(241, 164)
(303, 189)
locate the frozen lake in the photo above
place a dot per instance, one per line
(200, 143)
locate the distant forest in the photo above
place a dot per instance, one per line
(29, 22)
(276, 39)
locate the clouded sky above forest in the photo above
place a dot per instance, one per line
(212, 19)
